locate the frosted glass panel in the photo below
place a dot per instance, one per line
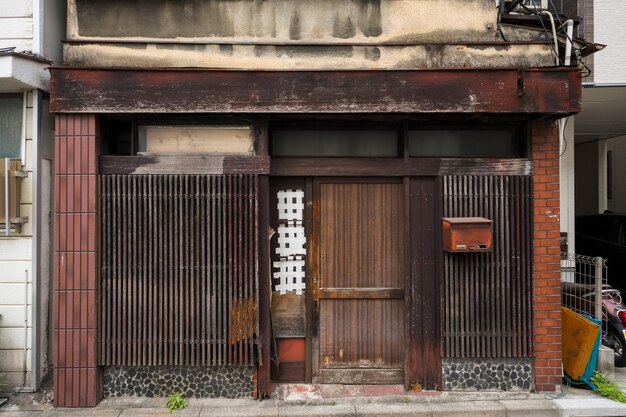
(463, 143)
(320, 143)
(195, 139)
(11, 119)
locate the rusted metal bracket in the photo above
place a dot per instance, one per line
(521, 89)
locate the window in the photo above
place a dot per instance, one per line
(11, 120)
(335, 143)
(466, 143)
(195, 140)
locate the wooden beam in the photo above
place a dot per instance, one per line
(184, 164)
(481, 166)
(545, 91)
(396, 167)
(335, 167)
(361, 293)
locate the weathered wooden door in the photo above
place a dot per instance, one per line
(359, 266)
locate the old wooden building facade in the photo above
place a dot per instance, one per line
(255, 190)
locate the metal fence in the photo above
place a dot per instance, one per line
(583, 284)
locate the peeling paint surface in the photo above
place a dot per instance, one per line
(282, 20)
(274, 57)
(307, 34)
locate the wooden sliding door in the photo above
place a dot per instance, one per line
(359, 268)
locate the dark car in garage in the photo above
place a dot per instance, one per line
(605, 235)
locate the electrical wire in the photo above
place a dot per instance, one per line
(561, 23)
(498, 26)
(545, 30)
(585, 67)
(564, 138)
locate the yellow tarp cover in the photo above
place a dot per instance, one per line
(579, 336)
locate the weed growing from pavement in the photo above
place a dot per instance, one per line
(607, 388)
(176, 402)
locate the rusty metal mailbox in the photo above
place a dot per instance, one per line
(467, 234)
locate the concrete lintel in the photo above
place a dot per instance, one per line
(19, 73)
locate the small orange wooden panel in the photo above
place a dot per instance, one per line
(467, 234)
(291, 349)
(579, 337)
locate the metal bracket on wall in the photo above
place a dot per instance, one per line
(520, 83)
(11, 187)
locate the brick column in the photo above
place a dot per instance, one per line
(547, 266)
(76, 375)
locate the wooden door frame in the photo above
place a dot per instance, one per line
(312, 196)
(414, 369)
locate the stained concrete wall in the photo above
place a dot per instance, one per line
(307, 34)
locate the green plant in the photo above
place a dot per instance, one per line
(175, 402)
(607, 388)
(405, 399)
(333, 402)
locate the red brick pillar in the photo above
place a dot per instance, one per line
(547, 266)
(76, 375)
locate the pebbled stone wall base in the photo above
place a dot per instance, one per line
(161, 381)
(461, 374)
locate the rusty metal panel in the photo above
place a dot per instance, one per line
(179, 269)
(462, 91)
(466, 234)
(488, 296)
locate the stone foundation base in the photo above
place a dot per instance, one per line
(462, 374)
(161, 381)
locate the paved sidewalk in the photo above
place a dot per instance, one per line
(576, 403)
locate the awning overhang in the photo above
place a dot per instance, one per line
(19, 72)
(546, 91)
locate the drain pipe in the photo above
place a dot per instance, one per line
(24, 388)
(556, 43)
(25, 330)
(557, 62)
(569, 32)
(7, 194)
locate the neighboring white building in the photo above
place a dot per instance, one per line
(30, 40)
(600, 129)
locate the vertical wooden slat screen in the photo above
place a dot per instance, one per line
(179, 269)
(488, 296)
